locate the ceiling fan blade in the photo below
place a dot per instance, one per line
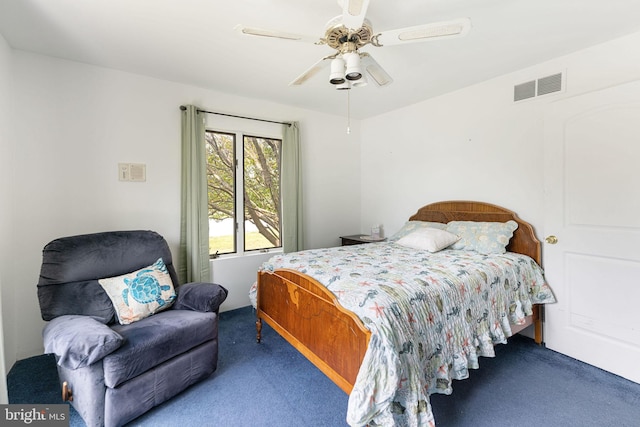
(420, 33)
(312, 71)
(353, 13)
(261, 32)
(374, 71)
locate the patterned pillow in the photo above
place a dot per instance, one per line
(482, 237)
(430, 239)
(141, 293)
(411, 226)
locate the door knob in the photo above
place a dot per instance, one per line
(552, 240)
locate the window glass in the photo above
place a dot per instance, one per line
(221, 179)
(244, 206)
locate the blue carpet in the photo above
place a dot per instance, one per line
(272, 385)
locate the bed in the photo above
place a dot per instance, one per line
(334, 319)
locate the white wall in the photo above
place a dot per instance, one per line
(6, 149)
(75, 122)
(476, 143)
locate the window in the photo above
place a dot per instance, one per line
(244, 204)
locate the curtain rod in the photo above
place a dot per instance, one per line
(182, 107)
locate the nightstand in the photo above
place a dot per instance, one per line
(357, 239)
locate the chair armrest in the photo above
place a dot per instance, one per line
(79, 341)
(198, 296)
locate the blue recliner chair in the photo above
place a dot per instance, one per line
(125, 335)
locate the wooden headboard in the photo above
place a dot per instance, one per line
(524, 240)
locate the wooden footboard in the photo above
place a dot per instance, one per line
(309, 317)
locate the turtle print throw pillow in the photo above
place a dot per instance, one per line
(141, 293)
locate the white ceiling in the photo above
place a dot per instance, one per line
(193, 42)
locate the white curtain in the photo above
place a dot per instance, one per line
(193, 265)
(292, 225)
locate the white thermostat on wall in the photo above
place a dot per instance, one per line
(132, 172)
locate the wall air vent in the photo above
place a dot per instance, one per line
(524, 91)
(539, 87)
(550, 84)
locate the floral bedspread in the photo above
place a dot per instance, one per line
(430, 315)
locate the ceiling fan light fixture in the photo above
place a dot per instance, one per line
(347, 33)
(337, 71)
(354, 72)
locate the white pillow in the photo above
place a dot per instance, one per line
(430, 239)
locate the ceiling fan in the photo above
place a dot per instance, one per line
(351, 31)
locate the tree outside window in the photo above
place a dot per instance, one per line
(254, 193)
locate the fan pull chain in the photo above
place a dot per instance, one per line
(348, 111)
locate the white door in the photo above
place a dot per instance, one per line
(592, 206)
